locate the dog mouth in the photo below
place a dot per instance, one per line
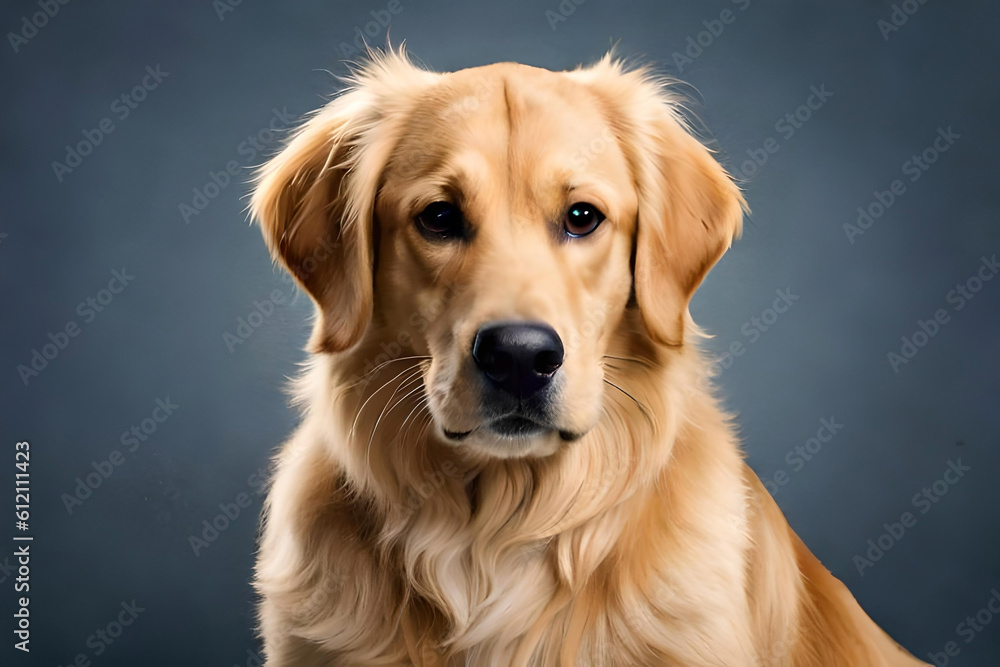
(511, 426)
(503, 421)
(514, 427)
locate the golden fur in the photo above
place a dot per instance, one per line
(646, 540)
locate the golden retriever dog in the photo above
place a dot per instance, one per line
(510, 452)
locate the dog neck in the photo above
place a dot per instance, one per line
(472, 538)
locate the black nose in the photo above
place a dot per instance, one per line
(518, 357)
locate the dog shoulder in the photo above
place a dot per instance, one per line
(804, 615)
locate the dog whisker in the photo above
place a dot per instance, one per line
(430, 420)
(422, 357)
(422, 402)
(638, 403)
(374, 393)
(424, 413)
(641, 362)
(389, 405)
(370, 375)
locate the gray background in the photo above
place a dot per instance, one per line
(163, 335)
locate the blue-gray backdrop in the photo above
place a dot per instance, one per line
(855, 323)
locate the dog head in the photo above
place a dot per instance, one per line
(506, 229)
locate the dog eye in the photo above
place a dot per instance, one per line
(582, 219)
(441, 220)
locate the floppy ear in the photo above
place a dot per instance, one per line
(690, 211)
(314, 204)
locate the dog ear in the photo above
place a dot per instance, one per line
(314, 203)
(690, 211)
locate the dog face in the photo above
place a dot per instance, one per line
(543, 219)
(503, 219)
